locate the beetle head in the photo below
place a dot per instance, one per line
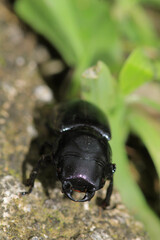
(81, 166)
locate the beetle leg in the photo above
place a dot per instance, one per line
(106, 201)
(42, 163)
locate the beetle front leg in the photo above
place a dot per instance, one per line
(44, 161)
(106, 201)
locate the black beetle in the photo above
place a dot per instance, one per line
(83, 155)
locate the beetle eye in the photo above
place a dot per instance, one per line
(113, 168)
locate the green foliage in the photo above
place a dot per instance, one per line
(132, 21)
(149, 133)
(155, 3)
(136, 71)
(116, 100)
(85, 31)
(93, 90)
(73, 27)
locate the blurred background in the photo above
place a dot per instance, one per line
(108, 52)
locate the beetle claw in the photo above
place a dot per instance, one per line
(68, 191)
(87, 196)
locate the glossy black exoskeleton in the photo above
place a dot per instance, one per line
(83, 156)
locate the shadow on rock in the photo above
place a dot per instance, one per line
(43, 143)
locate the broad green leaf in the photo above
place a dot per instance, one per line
(99, 87)
(136, 71)
(83, 31)
(54, 20)
(149, 131)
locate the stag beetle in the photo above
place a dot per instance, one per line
(82, 157)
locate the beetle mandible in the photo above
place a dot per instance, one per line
(82, 157)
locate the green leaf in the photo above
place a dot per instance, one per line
(149, 131)
(145, 101)
(149, 103)
(157, 70)
(130, 192)
(99, 87)
(83, 31)
(54, 20)
(136, 71)
(134, 27)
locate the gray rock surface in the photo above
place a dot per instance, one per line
(38, 216)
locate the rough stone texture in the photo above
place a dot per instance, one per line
(38, 216)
